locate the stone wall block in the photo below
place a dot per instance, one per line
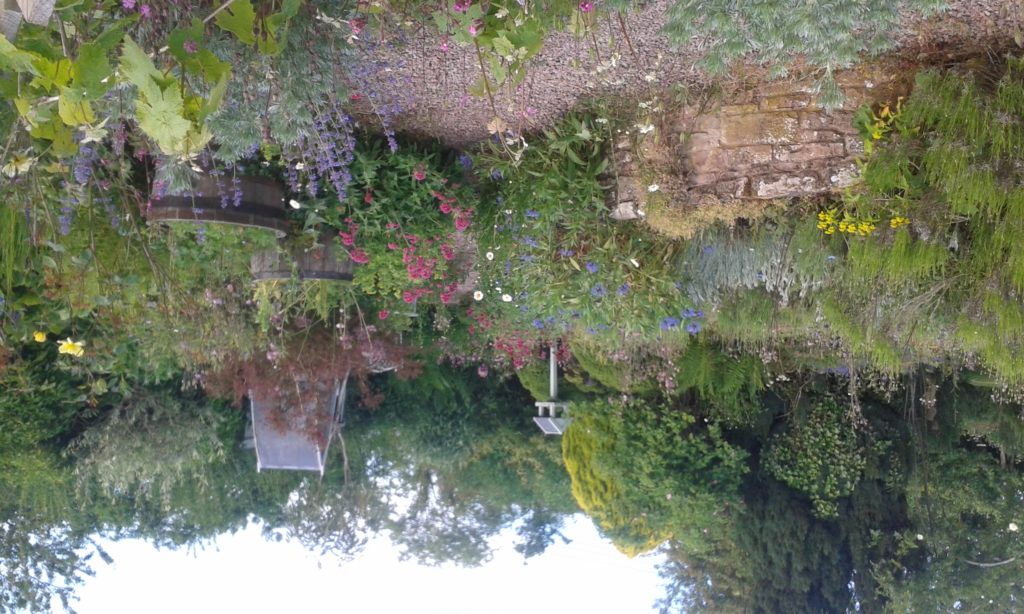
(734, 188)
(746, 157)
(738, 109)
(786, 102)
(699, 141)
(854, 145)
(782, 186)
(808, 152)
(843, 176)
(761, 129)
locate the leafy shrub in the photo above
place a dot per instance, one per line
(820, 456)
(644, 473)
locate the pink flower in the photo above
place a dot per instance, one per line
(420, 174)
(461, 223)
(476, 27)
(191, 46)
(346, 239)
(461, 6)
(392, 246)
(444, 44)
(445, 208)
(408, 296)
(383, 314)
(128, 4)
(359, 256)
(586, 6)
(357, 25)
(144, 10)
(482, 371)
(447, 252)
(368, 197)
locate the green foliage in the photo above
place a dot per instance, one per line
(829, 34)
(153, 443)
(730, 385)
(821, 456)
(645, 474)
(546, 244)
(962, 504)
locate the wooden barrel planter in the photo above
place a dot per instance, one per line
(327, 262)
(262, 204)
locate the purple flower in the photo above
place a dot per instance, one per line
(496, 175)
(532, 213)
(565, 253)
(530, 241)
(693, 328)
(537, 323)
(623, 289)
(688, 313)
(709, 249)
(128, 4)
(586, 6)
(592, 267)
(144, 10)
(598, 291)
(465, 161)
(669, 322)
(191, 46)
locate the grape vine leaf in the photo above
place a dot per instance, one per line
(162, 118)
(12, 58)
(239, 19)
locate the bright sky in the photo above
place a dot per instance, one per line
(245, 573)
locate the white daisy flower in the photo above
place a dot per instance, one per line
(490, 255)
(653, 187)
(507, 298)
(478, 296)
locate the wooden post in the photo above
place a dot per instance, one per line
(36, 11)
(553, 374)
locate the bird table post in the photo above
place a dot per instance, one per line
(552, 414)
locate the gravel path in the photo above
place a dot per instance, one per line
(569, 68)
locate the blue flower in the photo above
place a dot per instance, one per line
(592, 267)
(623, 289)
(688, 313)
(530, 241)
(537, 323)
(591, 331)
(693, 328)
(532, 213)
(508, 268)
(496, 175)
(700, 313)
(669, 322)
(565, 253)
(598, 291)
(709, 249)
(465, 161)
(526, 258)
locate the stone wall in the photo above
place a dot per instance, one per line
(769, 142)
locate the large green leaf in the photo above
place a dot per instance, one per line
(139, 70)
(269, 43)
(239, 19)
(91, 71)
(162, 119)
(200, 60)
(12, 58)
(73, 110)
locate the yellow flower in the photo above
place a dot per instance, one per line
(75, 348)
(877, 134)
(39, 336)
